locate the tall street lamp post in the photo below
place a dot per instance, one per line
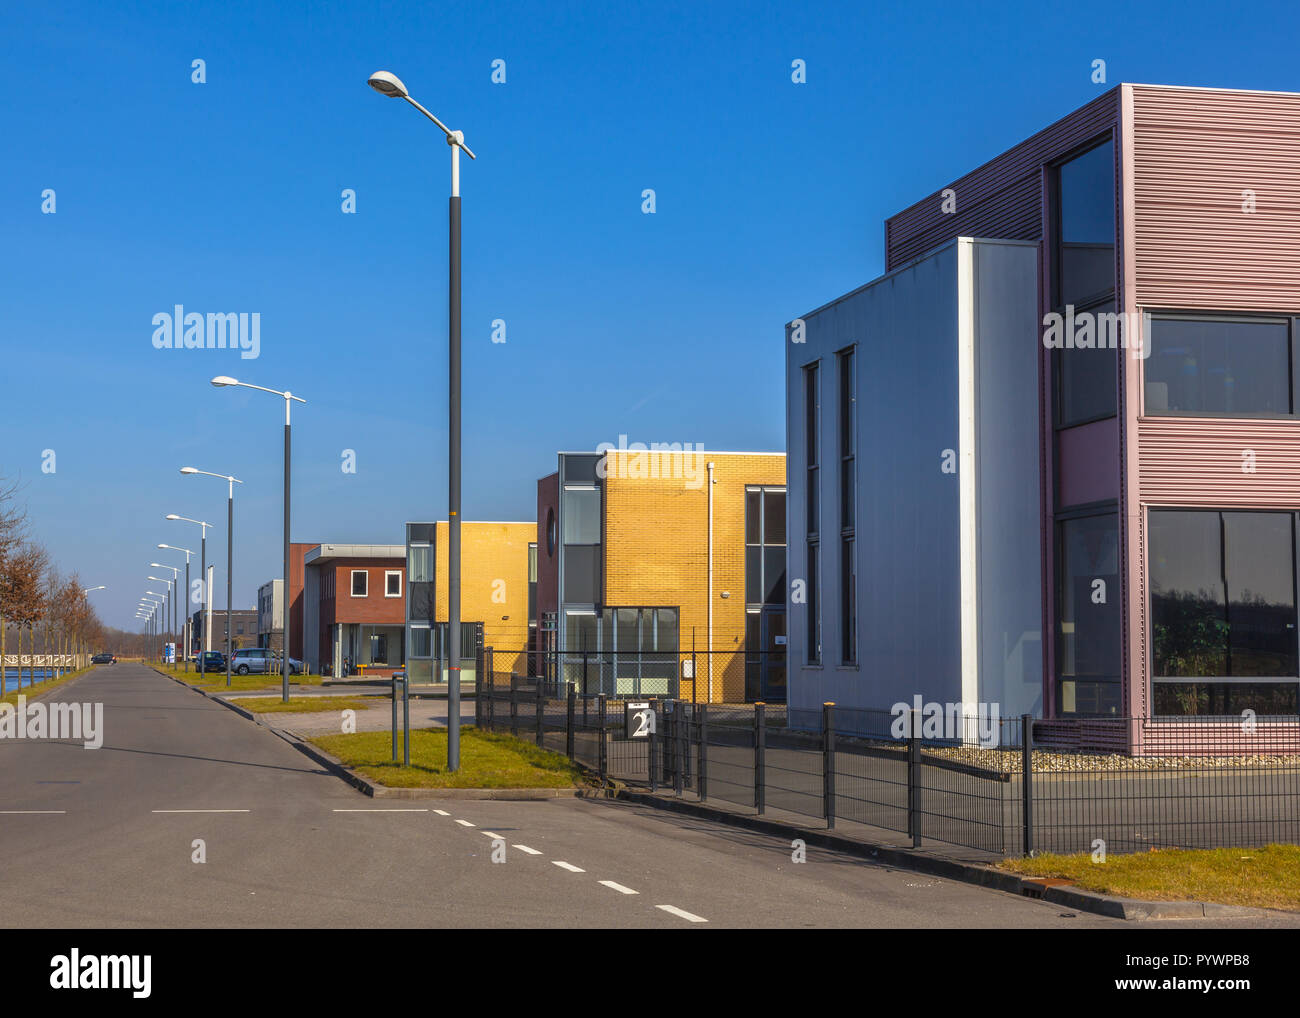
(221, 382)
(230, 548)
(388, 84)
(185, 621)
(203, 583)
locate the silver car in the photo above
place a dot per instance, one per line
(259, 660)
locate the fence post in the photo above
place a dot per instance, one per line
(703, 786)
(603, 763)
(514, 705)
(914, 778)
(760, 752)
(652, 747)
(568, 723)
(492, 697)
(541, 711)
(828, 763)
(679, 755)
(1027, 780)
(478, 686)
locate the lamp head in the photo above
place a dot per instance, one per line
(223, 380)
(389, 84)
(189, 470)
(171, 516)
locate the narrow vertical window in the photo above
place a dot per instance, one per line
(848, 483)
(812, 480)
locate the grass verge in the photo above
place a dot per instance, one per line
(302, 704)
(1266, 877)
(215, 682)
(487, 760)
(41, 688)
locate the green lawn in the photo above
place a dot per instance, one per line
(41, 688)
(486, 760)
(215, 682)
(303, 704)
(1260, 877)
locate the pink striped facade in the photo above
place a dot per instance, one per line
(1189, 162)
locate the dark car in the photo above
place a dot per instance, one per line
(211, 661)
(103, 659)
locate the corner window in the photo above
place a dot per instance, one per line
(1219, 366)
(360, 583)
(1088, 614)
(392, 583)
(1083, 284)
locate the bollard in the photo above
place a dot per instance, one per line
(760, 752)
(394, 698)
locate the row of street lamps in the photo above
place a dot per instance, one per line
(388, 84)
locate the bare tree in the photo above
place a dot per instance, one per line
(13, 519)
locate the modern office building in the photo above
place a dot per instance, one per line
(498, 584)
(243, 629)
(270, 615)
(353, 597)
(1100, 322)
(661, 571)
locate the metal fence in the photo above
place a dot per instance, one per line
(968, 781)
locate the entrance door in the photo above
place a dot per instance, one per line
(772, 666)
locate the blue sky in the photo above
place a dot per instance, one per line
(226, 195)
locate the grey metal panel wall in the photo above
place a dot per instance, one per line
(1196, 153)
(1009, 570)
(907, 509)
(1002, 198)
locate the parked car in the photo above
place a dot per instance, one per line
(103, 659)
(261, 661)
(211, 661)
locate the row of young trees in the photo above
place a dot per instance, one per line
(42, 611)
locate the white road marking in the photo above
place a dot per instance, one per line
(489, 834)
(682, 915)
(466, 823)
(29, 812)
(200, 811)
(567, 866)
(528, 851)
(385, 810)
(617, 887)
(442, 812)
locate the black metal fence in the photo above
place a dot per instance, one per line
(970, 781)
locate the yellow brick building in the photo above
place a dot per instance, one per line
(495, 587)
(626, 541)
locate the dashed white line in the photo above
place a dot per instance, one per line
(466, 823)
(442, 812)
(617, 887)
(527, 851)
(673, 910)
(29, 812)
(489, 834)
(567, 866)
(386, 810)
(200, 811)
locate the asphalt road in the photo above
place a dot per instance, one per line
(106, 839)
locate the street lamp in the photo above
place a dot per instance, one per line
(156, 610)
(224, 381)
(205, 612)
(172, 584)
(87, 590)
(230, 547)
(388, 84)
(185, 624)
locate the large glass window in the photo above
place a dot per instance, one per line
(419, 563)
(1088, 609)
(1087, 381)
(1218, 366)
(765, 546)
(848, 569)
(1086, 266)
(582, 515)
(811, 436)
(1223, 607)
